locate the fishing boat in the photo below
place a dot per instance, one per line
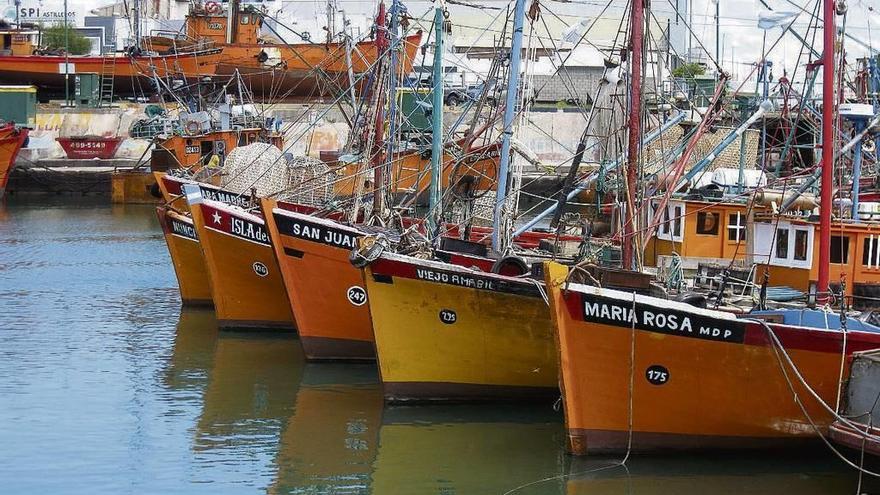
(325, 291)
(446, 332)
(188, 143)
(186, 257)
(12, 139)
(21, 61)
(643, 373)
(246, 284)
(279, 70)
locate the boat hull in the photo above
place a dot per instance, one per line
(449, 333)
(324, 289)
(186, 256)
(699, 379)
(131, 75)
(11, 141)
(246, 285)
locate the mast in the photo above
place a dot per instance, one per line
(436, 122)
(377, 161)
(635, 127)
(827, 149)
(509, 113)
(392, 82)
(231, 20)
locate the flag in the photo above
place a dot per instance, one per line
(573, 33)
(769, 19)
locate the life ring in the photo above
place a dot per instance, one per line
(192, 127)
(369, 249)
(213, 7)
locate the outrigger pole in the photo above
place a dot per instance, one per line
(509, 113)
(436, 122)
(828, 90)
(635, 127)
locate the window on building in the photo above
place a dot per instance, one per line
(736, 227)
(871, 252)
(707, 223)
(677, 218)
(782, 243)
(839, 249)
(800, 244)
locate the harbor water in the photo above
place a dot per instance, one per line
(108, 386)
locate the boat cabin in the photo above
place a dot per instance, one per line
(195, 150)
(788, 250)
(20, 42)
(202, 26)
(698, 231)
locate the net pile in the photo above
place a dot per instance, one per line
(260, 166)
(311, 182)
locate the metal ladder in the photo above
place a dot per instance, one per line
(108, 72)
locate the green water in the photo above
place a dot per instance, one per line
(107, 386)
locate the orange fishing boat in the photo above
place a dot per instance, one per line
(246, 283)
(12, 139)
(186, 256)
(411, 171)
(131, 73)
(276, 69)
(326, 292)
(190, 150)
(642, 373)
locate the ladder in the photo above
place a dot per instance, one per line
(108, 72)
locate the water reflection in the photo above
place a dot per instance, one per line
(107, 386)
(331, 441)
(754, 472)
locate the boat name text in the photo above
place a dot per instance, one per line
(661, 320)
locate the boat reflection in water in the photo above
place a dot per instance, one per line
(330, 442)
(466, 449)
(718, 474)
(265, 418)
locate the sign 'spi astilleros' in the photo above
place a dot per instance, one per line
(316, 232)
(621, 313)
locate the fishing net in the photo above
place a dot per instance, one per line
(311, 182)
(260, 166)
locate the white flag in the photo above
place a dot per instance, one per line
(768, 19)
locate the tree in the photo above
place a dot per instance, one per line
(53, 39)
(689, 71)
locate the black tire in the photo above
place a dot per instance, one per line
(453, 100)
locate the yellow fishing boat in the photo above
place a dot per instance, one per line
(186, 256)
(246, 284)
(448, 332)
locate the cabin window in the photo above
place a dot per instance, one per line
(707, 223)
(665, 220)
(677, 218)
(800, 244)
(782, 243)
(839, 249)
(871, 252)
(736, 227)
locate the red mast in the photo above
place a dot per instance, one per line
(635, 123)
(825, 207)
